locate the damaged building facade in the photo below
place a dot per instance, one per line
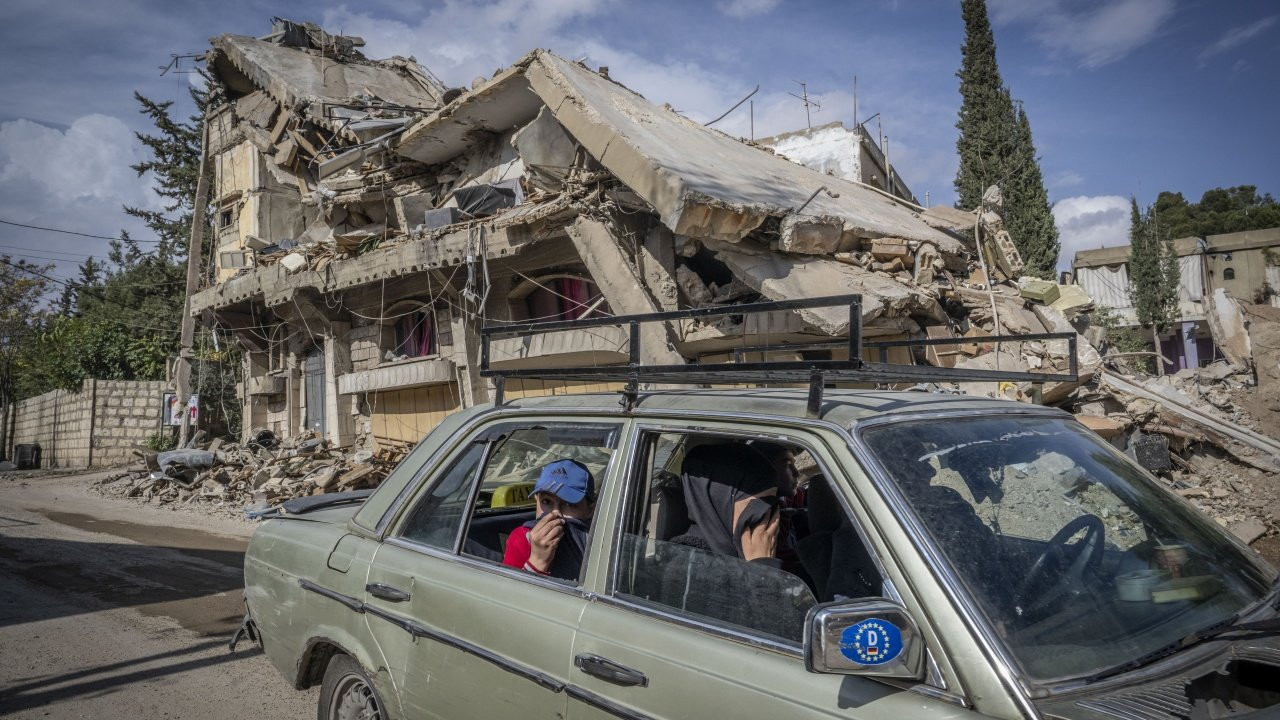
(1216, 274)
(369, 220)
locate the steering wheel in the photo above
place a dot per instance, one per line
(1039, 589)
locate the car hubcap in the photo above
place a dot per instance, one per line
(354, 700)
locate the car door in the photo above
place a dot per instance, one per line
(466, 636)
(665, 641)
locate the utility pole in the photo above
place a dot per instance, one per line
(807, 102)
(195, 250)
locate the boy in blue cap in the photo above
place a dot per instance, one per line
(555, 542)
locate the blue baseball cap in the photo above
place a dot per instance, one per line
(568, 480)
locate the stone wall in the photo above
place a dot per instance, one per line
(97, 426)
(366, 340)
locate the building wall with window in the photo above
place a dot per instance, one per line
(1245, 264)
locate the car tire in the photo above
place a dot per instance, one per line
(347, 693)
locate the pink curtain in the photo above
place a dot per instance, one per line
(576, 294)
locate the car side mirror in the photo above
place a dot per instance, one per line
(874, 637)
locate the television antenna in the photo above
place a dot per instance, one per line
(804, 96)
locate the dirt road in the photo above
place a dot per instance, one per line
(110, 610)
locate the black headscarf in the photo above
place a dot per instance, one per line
(715, 478)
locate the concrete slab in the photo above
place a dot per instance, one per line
(502, 104)
(787, 277)
(301, 79)
(702, 182)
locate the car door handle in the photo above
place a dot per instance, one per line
(608, 670)
(386, 592)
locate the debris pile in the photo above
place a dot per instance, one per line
(251, 478)
(1200, 430)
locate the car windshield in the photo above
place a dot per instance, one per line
(1080, 561)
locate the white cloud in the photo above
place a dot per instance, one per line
(1237, 36)
(461, 40)
(75, 179)
(1088, 223)
(90, 160)
(746, 8)
(1092, 37)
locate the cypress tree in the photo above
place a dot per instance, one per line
(1028, 214)
(986, 111)
(996, 148)
(1153, 272)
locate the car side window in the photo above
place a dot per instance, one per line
(743, 533)
(486, 495)
(436, 519)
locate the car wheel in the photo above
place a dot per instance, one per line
(347, 693)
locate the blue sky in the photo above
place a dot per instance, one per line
(1125, 97)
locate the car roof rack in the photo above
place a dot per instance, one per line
(817, 373)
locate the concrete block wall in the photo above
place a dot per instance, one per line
(97, 426)
(365, 345)
(128, 412)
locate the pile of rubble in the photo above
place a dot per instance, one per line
(251, 478)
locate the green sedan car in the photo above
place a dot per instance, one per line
(901, 555)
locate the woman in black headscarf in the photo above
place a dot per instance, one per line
(727, 569)
(732, 497)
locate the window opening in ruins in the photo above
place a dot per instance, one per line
(1229, 274)
(564, 297)
(416, 329)
(416, 334)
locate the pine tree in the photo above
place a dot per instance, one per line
(70, 302)
(996, 148)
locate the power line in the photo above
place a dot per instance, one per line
(72, 232)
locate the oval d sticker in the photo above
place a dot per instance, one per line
(871, 642)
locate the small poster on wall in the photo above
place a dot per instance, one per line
(172, 411)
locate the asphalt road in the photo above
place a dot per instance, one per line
(114, 610)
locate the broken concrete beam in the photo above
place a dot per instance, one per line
(1041, 291)
(1226, 324)
(783, 277)
(811, 234)
(1103, 426)
(658, 267)
(619, 281)
(888, 249)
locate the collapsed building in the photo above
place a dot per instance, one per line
(369, 220)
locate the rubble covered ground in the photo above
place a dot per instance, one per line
(249, 480)
(372, 181)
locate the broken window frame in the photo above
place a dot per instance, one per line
(522, 298)
(407, 310)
